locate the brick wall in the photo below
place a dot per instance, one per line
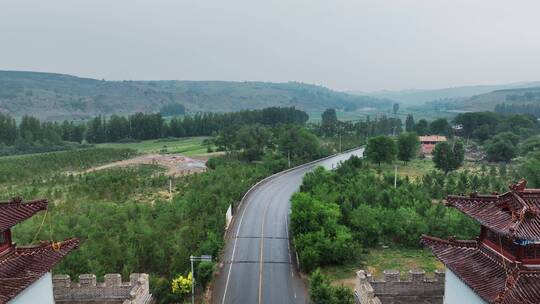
(111, 291)
(416, 288)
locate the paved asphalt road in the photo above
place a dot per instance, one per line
(258, 264)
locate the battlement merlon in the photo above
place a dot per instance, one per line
(135, 291)
(416, 286)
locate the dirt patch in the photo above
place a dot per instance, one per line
(176, 164)
(347, 282)
(206, 156)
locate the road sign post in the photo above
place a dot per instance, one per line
(202, 258)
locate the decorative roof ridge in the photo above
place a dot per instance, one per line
(18, 201)
(474, 196)
(16, 211)
(521, 215)
(512, 278)
(73, 243)
(495, 256)
(519, 186)
(425, 239)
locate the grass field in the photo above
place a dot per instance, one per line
(190, 146)
(315, 116)
(401, 259)
(419, 167)
(414, 169)
(378, 260)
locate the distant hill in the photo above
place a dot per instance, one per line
(416, 97)
(522, 100)
(57, 96)
(488, 101)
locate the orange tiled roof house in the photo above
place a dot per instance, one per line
(428, 143)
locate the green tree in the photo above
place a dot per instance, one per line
(500, 150)
(422, 127)
(204, 273)
(409, 123)
(252, 140)
(530, 145)
(329, 122)
(448, 156)
(502, 147)
(298, 142)
(530, 169)
(395, 108)
(322, 292)
(408, 144)
(440, 126)
(381, 149)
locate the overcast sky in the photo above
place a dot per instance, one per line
(342, 44)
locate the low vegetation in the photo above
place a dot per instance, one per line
(354, 217)
(33, 167)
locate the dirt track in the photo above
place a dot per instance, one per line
(176, 164)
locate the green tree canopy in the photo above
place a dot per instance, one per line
(422, 127)
(381, 149)
(329, 122)
(409, 123)
(500, 150)
(448, 156)
(530, 169)
(322, 292)
(530, 145)
(299, 142)
(408, 144)
(395, 108)
(440, 126)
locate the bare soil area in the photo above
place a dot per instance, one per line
(176, 164)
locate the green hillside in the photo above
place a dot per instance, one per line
(507, 101)
(417, 97)
(56, 96)
(514, 96)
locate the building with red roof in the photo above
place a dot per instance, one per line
(25, 271)
(503, 264)
(428, 143)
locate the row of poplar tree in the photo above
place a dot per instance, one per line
(139, 126)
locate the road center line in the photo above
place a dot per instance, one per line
(261, 264)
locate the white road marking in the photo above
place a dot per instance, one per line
(233, 253)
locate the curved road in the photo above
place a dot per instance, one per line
(258, 266)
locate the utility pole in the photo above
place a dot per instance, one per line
(202, 258)
(289, 157)
(395, 177)
(339, 140)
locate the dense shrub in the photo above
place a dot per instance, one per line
(336, 212)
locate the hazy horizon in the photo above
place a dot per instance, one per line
(343, 45)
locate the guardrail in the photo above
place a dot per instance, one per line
(268, 178)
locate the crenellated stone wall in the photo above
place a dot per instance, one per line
(111, 291)
(416, 288)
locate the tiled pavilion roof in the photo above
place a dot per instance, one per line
(515, 214)
(22, 266)
(492, 278)
(15, 211)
